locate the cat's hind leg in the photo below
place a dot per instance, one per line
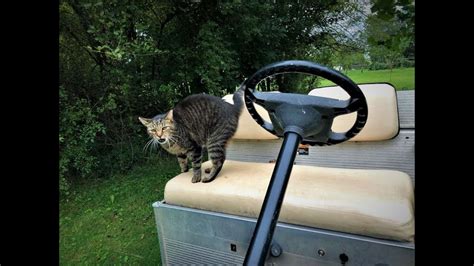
(196, 158)
(217, 156)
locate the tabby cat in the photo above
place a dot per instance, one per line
(198, 122)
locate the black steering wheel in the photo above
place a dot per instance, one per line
(309, 116)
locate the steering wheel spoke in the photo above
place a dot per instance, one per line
(352, 105)
(261, 97)
(273, 99)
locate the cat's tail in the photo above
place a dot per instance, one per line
(238, 99)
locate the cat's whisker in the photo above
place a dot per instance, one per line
(150, 148)
(154, 144)
(150, 145)
(147, 145)
(178, 137)
(144, 147)
(172, 139)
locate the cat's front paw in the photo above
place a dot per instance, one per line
(184, 170)
(196, 178)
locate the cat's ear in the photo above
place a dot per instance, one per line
(145, 121)
(169, 115)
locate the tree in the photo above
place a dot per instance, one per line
(390, 33)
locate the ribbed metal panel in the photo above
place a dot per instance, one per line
(395, 154)
(406, 109)
(181, 253)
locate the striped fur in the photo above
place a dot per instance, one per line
(199, 122)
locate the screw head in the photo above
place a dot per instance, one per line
(321, 252)
(275, 250)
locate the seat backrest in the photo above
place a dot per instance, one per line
(248, 128)
(382, 121)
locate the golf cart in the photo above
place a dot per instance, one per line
(340, 192)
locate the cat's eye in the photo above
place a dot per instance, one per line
(166, 127)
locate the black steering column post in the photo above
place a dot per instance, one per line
(298, 119)
(268, 217)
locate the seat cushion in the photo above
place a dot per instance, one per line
(377, 203)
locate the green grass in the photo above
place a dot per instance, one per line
(111, 221)
(401, 78)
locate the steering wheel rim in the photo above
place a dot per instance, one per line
(356, 103)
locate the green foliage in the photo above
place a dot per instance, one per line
(217, 67)
(79, 127)
(390, 33)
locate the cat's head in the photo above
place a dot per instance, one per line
(160, 127)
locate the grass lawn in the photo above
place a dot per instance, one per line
(401, 78)
(111, 222)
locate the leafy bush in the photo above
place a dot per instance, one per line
(78, 131)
